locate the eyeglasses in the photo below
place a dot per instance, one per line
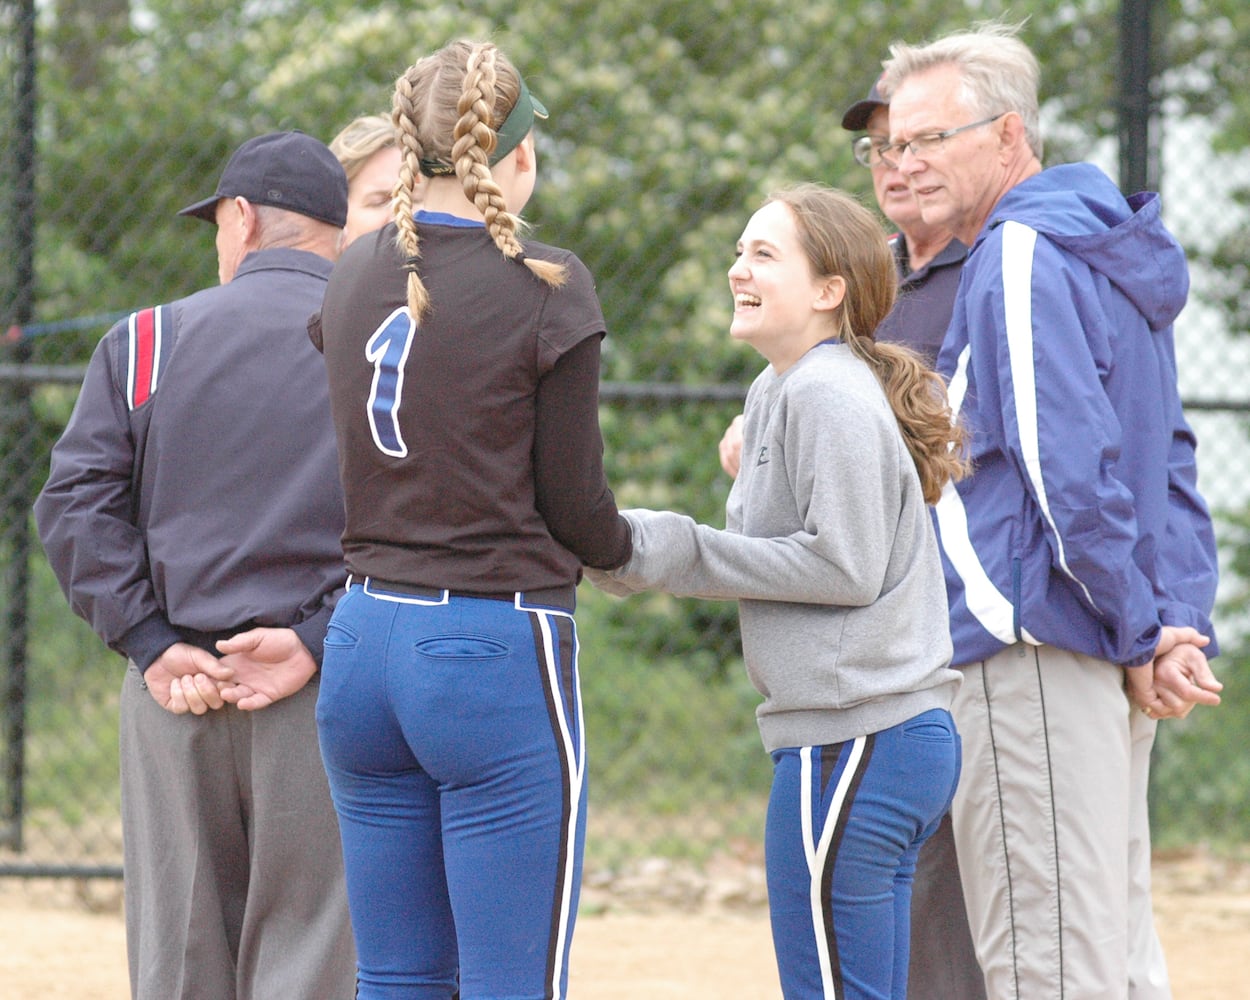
(926, 145)
(867, 150)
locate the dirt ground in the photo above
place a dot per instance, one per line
(63, 941)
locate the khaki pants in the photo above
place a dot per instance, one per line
(1052, 831)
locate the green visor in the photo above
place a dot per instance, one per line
(509, 135)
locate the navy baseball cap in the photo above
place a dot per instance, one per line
(857, 115)
(290, 170)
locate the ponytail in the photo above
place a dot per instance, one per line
(842, 237)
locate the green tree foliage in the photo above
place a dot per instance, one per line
(1200, 776)
(1207, 74)
(1206, 80)
(669, 123)
(1200, 772)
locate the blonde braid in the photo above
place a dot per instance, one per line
(404, 116)
(474, 140)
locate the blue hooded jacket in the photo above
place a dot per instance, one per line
(1081, 526)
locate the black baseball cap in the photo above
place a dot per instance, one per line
(857, 115)
(290, 170)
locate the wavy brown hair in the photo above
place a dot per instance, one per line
(841, 237)
(448, 107)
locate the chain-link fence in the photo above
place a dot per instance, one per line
(656, 150)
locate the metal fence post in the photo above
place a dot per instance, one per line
(17, 420)
(1139, 161)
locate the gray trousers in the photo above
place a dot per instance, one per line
(1052, 829)
(943, 961)
(233, 868)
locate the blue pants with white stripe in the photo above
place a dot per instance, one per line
(845, 823)
(452, 736)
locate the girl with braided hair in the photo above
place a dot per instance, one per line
(463, 363)
(830, 551)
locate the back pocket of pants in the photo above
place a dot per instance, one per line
(461, 646)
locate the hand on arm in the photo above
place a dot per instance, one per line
(184, 679)
(265, 665)
(1183, 679)
(1178, 678)
(730, 447)
(606, 581)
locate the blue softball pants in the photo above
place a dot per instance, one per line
(845, 824)
(451, 731)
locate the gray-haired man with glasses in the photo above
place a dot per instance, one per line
(928, 257)
(926, 144)
(943, 963)
(1080, 558)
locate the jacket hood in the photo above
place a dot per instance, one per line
(1078, 208)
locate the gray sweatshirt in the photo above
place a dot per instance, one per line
(830, 551)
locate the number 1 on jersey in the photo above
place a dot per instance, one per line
(387, 350)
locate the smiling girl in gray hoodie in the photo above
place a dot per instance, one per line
(830, 551)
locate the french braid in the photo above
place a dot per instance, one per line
(425, 111)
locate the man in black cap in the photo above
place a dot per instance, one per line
(194, 496)
(929, 257)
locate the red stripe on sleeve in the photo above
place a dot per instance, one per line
(143, 355)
